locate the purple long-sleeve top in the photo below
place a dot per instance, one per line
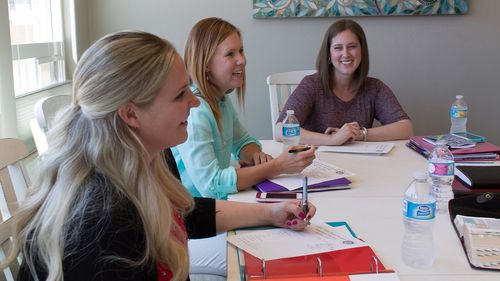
(317, 110)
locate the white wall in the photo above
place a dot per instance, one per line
(426, 60)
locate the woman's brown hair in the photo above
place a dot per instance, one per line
(324, 59)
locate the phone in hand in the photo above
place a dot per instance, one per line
(470, 137)
(277, 196)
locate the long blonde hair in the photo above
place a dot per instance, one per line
(200, 47)
(90, 138)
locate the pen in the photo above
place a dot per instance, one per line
(305, 208)
(297, 150)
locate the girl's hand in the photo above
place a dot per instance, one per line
(293, 163)
(290, 215)
(257, 158)
(261, 157)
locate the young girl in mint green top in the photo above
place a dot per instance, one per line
(204, 160)
(216, 62)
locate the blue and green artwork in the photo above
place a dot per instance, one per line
(347, 8)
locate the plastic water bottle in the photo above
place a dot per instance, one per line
(419, 208)
(291, 129)
(441, 173)
(458, 115)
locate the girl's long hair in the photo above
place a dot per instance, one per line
(88, 138)
(200, 47)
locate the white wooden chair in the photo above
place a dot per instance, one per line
(14, 182)
(6, 232)
(45, 112)
(281, 85)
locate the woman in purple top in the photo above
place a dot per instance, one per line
(339, 103)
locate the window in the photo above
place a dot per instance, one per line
(37, 44)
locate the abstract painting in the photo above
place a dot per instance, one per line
(347, 8)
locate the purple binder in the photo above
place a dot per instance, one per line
(336, 184)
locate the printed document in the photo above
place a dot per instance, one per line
(280, 243)
(359, 147)
(319, 171)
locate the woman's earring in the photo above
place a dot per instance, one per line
(330, 60)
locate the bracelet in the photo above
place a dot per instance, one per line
(364, 133)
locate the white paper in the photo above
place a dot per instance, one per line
(318, 171)
(280, 243)
(360, 147)
(374, 277)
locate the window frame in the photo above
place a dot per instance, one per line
(43, 52)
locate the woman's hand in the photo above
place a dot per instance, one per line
(290, 215)
(348, 132)
(293, 163)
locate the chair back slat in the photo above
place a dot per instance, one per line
(281, 85)
(6, 231)
(14, 183)
(13, 177)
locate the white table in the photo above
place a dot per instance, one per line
(373, 209)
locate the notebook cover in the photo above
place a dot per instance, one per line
(480, 176)
(269, 186)
(460, 189)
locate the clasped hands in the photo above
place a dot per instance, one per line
(347, 133)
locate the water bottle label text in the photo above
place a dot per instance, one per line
(442, 169)
(458, 113)
(419, 211)
(291, 131)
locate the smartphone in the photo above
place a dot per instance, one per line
(277, 196)
(470, 137)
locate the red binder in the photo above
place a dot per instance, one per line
(336, 263)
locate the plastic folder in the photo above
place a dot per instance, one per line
(334, 265)
(336, 184)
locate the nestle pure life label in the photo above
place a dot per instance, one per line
(458, 113)
(419, 211)
(291, 130)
